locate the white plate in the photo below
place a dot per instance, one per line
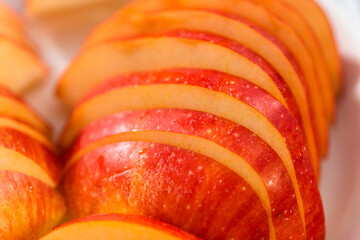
(340, 172)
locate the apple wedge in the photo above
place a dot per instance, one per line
(18, 56)
(117, 226)
(28, 207)
(13, 107)
(151, 54)
(21, 153)
(318, 21)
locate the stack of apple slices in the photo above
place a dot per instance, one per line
(29, 172)
(208, 115)
(17, 52)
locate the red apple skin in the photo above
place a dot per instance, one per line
(250, 94)
(137, 219)
(32, 149)
(28, 207)
(223, 132)
(173, 185)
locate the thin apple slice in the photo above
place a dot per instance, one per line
(317, 20)
(242, 180)
(18, 56)
(29, 208)
(20, 153)
(15, 108)
(117, 226)
(130, 22)
(29, 131)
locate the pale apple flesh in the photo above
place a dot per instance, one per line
(28, 207)
(186, 189)
(117, 226)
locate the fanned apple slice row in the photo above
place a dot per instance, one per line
(18, 56)
(317, 20)
(24, 128)
(198, 145)
(16, 109)
(21, 153)
(29, 208)
(222, 26)
(151, 54)
(131, 22)
(266, 21)
(117, 226)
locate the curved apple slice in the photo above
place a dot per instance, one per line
(199, 152)
(29, 131)
(28, 207)
(152, 54)
(23, 154)
(129, 23)
(117, 226)
(318, 21)
(32, 70)
(18, 110)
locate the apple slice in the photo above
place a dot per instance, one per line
(13, 107)
(29, 131)
(20, 153)
(116, 226)
(196, 205)
(28, 207)
(317, 20)
(44, 7)
(224, 26)
(32, 70)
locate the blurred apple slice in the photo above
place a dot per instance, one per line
(22, 69)
(29, 208)
(115, 227)
(318, 21)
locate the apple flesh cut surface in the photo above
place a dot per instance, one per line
(318, 21)
(28, 207)
(152, 54)
(117, 226)
(131, 23)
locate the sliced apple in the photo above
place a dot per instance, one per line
(317, 20)
(18, 56)
(165, 189)
(116, 226)
(20, 153)
(131, 22)
(28, 207)
(17, 109)
(29, 131)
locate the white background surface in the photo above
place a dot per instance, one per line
(58, 42)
